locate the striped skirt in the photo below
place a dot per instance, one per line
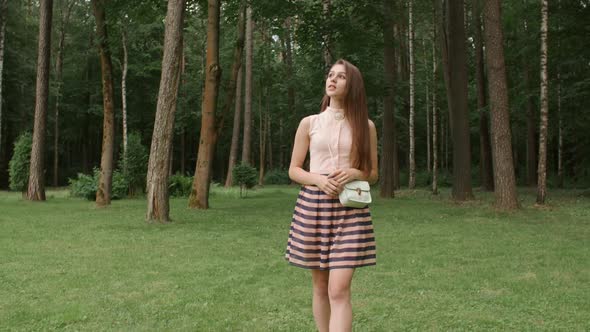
(326, 235)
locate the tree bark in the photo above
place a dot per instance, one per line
(412, 171)
(531, 143)
(36, 187)
(158, 205)
(262, 136)
(504, 178)
(434, 112)
(284, 150)
(327, 12)
(542, 167)
(59, 82)
(124, 92)
(247, 137)
(3, 10)
(235, 138)
(235, 85)
(387, 137)
(485, 155)
(398, 89)
(199, 197)
(103, 194)
(428, 114)
(453, 42)
(560, 175)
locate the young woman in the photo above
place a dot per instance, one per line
(326, 237)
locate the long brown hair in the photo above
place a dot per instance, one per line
(355, 107)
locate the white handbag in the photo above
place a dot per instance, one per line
(356, 194)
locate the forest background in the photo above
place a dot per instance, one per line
(423, 63)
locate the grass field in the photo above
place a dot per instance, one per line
(66, 265)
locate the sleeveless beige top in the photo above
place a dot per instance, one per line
(329, 130)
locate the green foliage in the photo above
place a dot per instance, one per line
(277, 176)
(135, 164)
(18, 167)
(180, 185)
(85, 186)
(245, 176)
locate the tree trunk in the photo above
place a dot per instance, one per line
(397, 90)
(158, 205)
(36, 188)
(485, 159)
(542, 168)
(199, 197)
(453, 42)
(234, 91)
(262, 136)
(235, 138)
(387, 137)
(269, 157)
(247, 138)
(3, 10)
(290, 91)
(560, 175)
(327, 11)
(103, 194)
(58, 77)
(434, 113)
(531, 144)
(124, 93)
(412, 175)
(504, 178)
(284, 150)
(428, 115)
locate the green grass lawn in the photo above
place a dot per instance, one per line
(66, 265)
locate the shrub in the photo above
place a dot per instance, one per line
(86, 186)
(277, 176)
(180, 185)
(135, 164)
(245, 176)
(18, 167)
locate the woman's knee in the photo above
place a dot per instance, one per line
(320, 283)
(339, 292)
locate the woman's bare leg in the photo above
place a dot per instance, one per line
(321, 301)
(340, 305)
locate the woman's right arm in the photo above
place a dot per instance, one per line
(296, 171)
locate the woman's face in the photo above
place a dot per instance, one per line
(336, 82)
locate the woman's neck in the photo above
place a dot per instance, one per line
(336, 103)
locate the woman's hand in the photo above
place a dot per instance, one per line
(343, 176)
(329, 186)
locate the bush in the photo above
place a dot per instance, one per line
(277, 176)
(18, 167)
(245, 176)
(135, 165)
(180, 185)
(86, 186)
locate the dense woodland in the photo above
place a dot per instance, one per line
(449, 85)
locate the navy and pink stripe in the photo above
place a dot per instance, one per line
(325, 235)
